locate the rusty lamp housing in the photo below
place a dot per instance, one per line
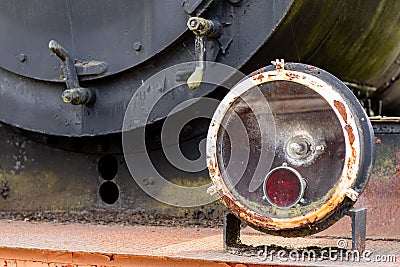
(278, 125)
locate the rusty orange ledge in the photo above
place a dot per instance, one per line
(50, 244)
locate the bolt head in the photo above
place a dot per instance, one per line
(194, 24)
(21, 58)
(67, 96)
(137, 46)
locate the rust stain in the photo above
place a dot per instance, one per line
(256, 72)
(341, 108)
(361, 244)
(245, 214)
(233, 100)
(261, 221)
(212, 169)
(397, 156)
(259, 217)
(315, 84)
(378, 140)
(292, 75)
(260, 70)
(352, 159)
(350, 133)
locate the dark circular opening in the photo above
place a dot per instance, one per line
(283, 188)
(109, 192)
(108, 167)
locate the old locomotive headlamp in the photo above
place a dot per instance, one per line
(278, 126)
(283, 187)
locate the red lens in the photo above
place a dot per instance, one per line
(283, 187)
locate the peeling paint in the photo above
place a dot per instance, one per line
(341, 108)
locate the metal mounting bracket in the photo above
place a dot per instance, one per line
(231, 231)
(358, 228)
(202, 28)
(75, 94)
(358, 216)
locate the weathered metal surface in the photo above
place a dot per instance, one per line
(357, 41)
(41, 182)
(231, 230)
(128, 33)
(204, 29)
(382, 196)
(201, 26)
(80, 191)
(39, 244)
(358, 228)
(124, 34)
(305, 36)
(90, 30)
(390, 97)
(339, 187)
(232, 226)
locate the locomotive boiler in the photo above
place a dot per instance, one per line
(88, 89)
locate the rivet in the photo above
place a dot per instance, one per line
(137, 46)
(21, 57)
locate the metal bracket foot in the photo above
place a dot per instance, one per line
(358, 228)
(231, 230)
